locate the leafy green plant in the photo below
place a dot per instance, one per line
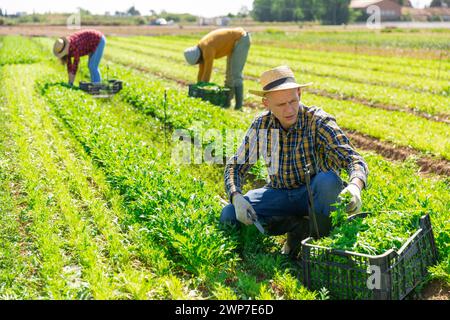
(374, 234)
(339, 214)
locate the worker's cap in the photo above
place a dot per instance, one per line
(61, 47)
(192, 55)
(277, 79)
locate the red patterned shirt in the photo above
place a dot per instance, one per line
(81, 43)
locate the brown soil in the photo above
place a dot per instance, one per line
(53, 31)
(438, 118)
(435, 290)
(392, 152)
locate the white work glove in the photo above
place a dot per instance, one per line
(355, 204)
(241, 206)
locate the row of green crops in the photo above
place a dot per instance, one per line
(146, 94)
(381, 38)
(315, 65)
(386, 179)
(157, 51)
(17, 50)
(386, 125)
(175, 209)
(390, 65)
(64, 226)
(171, 211)
(372, 93)
(136, 96)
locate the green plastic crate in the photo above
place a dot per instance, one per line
(106, 89)
(211, 92)
(345, 273)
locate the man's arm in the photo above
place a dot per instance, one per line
(207, 65)
(240, 163)
(72, 68)
(340, 153)
(201, 69)
(358, 182)
(71, 78)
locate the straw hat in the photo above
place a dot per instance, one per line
(280, 78)
(61, 47)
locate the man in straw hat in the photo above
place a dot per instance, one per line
(292, 137)
(233, 43)
(81, 43)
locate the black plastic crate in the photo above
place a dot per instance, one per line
(345, 274)
(211, 92)
(102, 89)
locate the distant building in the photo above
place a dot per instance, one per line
(218, 21)
(389, 10)
(21, 14)
(427, 14)
(439, 13)
(223, 21)
(161, 22)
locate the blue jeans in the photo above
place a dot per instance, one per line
(282, 204)
(94, 61)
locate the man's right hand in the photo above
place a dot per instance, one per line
(241, 206)
(71, 79)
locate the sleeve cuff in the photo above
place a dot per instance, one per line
(359, 175)
(232, 190)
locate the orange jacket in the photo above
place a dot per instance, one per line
(216, 44)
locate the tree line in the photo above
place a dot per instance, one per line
(325, 11)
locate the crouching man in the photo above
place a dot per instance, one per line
(295, 137)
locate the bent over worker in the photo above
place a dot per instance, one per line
(233, 43)
(295, 137)
(81, 43)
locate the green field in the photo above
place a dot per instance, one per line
(92, 207)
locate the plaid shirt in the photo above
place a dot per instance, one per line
(81, 43)
(315, 139)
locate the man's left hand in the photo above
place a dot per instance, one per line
(355, 204)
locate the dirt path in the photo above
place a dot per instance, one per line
(399, 153)
(53, 31)
(435, 290)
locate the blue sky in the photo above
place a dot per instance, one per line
(207, 8)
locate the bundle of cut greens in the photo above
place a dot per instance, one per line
(373, 234)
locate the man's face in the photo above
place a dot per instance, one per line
(284, 105)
